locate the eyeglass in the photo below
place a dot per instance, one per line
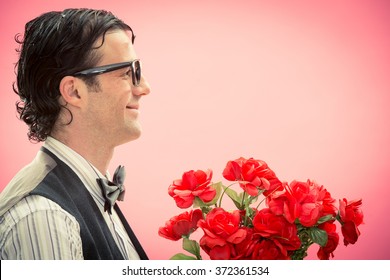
(135, 67)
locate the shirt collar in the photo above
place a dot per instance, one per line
(82, 167)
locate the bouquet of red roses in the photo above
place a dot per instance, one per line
(294, 216)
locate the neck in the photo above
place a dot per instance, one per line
(98, 153)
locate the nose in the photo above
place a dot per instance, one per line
(143, 88)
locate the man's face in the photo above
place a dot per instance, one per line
(112, 110)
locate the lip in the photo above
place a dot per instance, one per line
(132, 106)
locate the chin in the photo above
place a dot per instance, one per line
(128, 139)
(134, 134)
(129, 133)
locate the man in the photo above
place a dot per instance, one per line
(80, 84)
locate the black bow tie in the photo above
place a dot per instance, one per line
(113, 190)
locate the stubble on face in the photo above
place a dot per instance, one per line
(113, 109)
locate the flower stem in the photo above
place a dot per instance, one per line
(223, 193)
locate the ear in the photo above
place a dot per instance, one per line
(70, 90)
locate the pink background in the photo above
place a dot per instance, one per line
(304, 86)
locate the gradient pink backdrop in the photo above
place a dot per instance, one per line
(303, 85)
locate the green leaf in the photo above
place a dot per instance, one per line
(218, 188)
(318, 236)
(237, 199)
(191, 246)
(205, 209)
(338, 218)
(198, 203)
(249, 212)
(324, 219)
(252, 199)
(181, 256)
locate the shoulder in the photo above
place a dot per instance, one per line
(38, 208)
(38, 228)
(32, 204)
(26, 180)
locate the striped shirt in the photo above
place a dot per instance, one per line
(38, 228)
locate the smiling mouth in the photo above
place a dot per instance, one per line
(135, 107)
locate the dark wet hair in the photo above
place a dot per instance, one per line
(54, 45)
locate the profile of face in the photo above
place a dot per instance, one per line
(111, 110)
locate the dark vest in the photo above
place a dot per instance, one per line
(64, 187)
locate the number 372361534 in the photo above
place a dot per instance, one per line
(234, 270)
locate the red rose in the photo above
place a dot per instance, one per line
(267, 250)
(284, 203)
(306, 201)
(244, 249)
(350, 211)
(308, 195)
(253, 175)
(193, 184)
(351, 216)
(183, 224)
(328, 203)
(350, 232)
(333, 241)
(221, 232)
(314, 202)
(233, 251)
(277, 228)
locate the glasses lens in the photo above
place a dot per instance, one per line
(137, 72)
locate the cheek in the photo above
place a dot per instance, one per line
(101, 107)
(97, 112)
(115, 97)
(120, 92)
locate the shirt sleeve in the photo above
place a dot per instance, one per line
(36, 228)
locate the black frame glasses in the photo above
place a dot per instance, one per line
(135, 67)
